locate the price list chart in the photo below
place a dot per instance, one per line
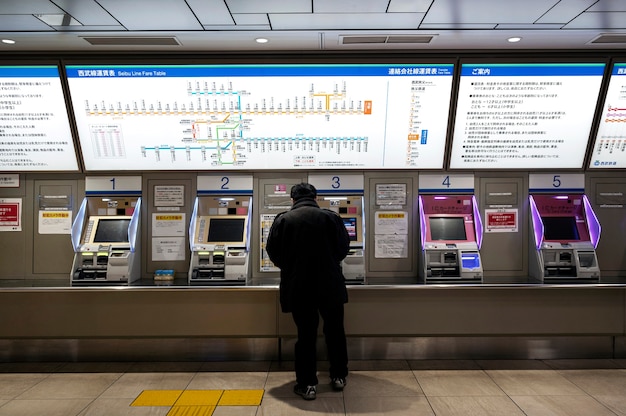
(190, 117)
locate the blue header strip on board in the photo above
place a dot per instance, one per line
(510, 70)
(123, 71)
(619, 69)
(29, 71)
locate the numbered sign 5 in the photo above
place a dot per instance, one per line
(564, 182)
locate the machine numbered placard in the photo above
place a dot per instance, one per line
(192, 117)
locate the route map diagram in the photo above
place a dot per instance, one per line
(254, 117)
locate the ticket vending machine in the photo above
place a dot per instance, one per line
(220, 240)
(350, 209)
(565, 233)
(451, 235)
(106, 240)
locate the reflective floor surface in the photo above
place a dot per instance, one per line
(386, 387)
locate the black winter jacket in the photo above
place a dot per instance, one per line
(308, 244)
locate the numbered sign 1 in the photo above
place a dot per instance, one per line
(446, 183)
(556, 182)
(225, 184)
(337, 183)
(113, 184)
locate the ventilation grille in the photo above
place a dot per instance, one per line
(616, 38)
(356, 40)
(133, 41)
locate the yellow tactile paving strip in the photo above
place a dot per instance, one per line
(197, 402)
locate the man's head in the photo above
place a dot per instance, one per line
(303, 190)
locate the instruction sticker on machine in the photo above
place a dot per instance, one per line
(501, 220)
(55, 222)
(391, 229)
(168, 225)
(10, 214)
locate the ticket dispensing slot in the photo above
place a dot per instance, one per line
(105, 247)
(565, 234)
(350, 209)
(451, 233)
(220, 231)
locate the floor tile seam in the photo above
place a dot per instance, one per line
(102, 392)
(574, 383)
(579, 395)
(494, 382)
(47, 376)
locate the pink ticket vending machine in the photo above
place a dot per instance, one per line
(565, 234)
(451, 235)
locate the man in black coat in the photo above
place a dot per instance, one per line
(308, 244)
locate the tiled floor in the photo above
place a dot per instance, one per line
(391, 388)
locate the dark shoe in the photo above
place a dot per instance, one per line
(307, 392)
(338, 383)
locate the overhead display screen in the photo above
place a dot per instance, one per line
(609, 149)
(195, 117)
(524, 116)
(35, 132)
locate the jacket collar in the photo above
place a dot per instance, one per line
(305, 202)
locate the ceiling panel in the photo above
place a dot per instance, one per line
(251, 19)
(295, 25)
(211, 12)
(598, 20)
(28, 7)
(153, 14)
(350, 6)
(565, 11)
(270, 6)
(409, 6)
(487, 11)
(609, 6)
(21, 22)
(354, 21)
(248, 28)
(87, 12)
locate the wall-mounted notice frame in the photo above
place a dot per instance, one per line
(524, 116)
(199, 117)
(35, 128)
(609, 149)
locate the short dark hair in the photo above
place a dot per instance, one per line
(303, 190)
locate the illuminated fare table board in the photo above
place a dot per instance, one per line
(192, 117)
(609, 150)
(35, 132)
(524, 116)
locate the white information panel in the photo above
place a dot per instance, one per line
(195, 117)
(609, 150)
(35, 128)
(524, 116)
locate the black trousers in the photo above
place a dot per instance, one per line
(307, 319)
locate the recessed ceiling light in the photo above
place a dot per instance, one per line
(261, 40)
(514, 39)
(8, 41)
